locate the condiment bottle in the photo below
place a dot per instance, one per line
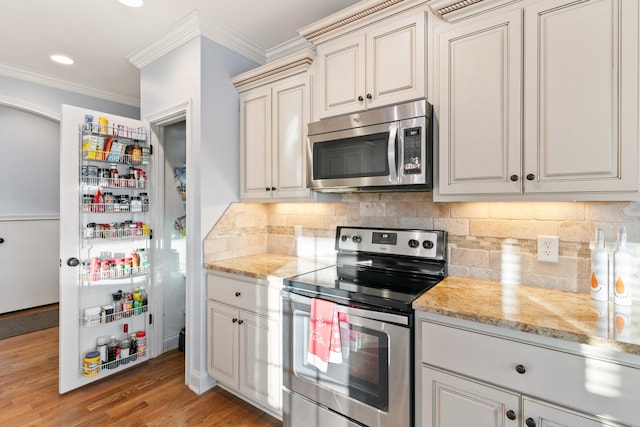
(622, 266)
(145, 302)
(124, 345)
(599, 269)
(113, 351)
(133, 347)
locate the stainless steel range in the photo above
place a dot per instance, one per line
(348, 336)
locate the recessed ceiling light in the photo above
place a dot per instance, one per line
(132, 3)
(62, 59)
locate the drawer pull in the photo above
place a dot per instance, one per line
(234, 320)
(238, 294)
(240, 322)
(511, 415)
(520, 369)
(530, 422)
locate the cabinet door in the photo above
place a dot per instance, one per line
(341, 76)
(261, 360)
(255, 143)
(480, 77)
(546, 415)
(396, 61)
(581, 89)
(291, 113)
(222, 337)
(455, 401)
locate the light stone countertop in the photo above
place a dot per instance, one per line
(556, 314)
(267, 266)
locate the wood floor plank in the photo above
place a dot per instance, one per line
(152, 393)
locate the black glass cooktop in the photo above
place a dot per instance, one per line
(362, 286)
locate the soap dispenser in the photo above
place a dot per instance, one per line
(599, 268)
(622, 271)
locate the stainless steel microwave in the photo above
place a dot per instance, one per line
(383, 149)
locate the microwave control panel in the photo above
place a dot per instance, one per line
(412, 151)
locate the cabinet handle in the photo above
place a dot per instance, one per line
(238, 294)
(240, 322)
(369, 96)
(520, 369)
(273, 188)
(234, 320)
(530, 422)
(531, 177)
(514, 178)
(1, 240)
(511, 415)
(267, 189)
(360, 98)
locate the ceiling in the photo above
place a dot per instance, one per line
(101, 34)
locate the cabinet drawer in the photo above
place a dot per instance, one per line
(249, 296)
(584, 383)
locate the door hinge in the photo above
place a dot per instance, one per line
(150, 318)
(150, 150)
(150, 234)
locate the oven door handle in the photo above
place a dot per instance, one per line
(392, 149)
(367, 314)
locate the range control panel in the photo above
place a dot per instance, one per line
(429, 244)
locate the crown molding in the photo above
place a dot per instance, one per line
(356, 12)
(188, 28)
(31, 76)
(456, 10)
(287, 48)
(274, 70)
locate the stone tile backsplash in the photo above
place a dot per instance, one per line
(480, 233)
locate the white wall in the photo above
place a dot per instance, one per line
(198, 72)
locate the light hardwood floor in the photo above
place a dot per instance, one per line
(150, 394)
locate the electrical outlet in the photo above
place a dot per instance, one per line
(548, 248)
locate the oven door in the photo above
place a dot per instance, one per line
(372, 385)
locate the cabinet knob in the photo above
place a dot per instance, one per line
(73, 262)
(520, 369)
(369, 96)
(530, 422)
(513, 178)
(273, 188)
(267, 189)
(511, 415)
(240, 322)
(234, 320)
(238, 294)
(531, 177)
(1, 240)
(360, 98)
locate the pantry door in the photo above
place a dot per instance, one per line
(122, 235)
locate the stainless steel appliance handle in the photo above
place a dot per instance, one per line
(392, 147)
(367, 314)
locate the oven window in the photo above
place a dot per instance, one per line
(364, 372)
(355, 157)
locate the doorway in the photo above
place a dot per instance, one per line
(174, 250)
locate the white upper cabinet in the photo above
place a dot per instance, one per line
(569, 69)
(275, 108)
(380, 63)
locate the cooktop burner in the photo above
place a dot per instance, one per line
(383, 268)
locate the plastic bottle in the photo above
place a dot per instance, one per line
(141, 337)
(145, 299)
(599, 269)
(622, 267)
(137, 301)
(124, 345)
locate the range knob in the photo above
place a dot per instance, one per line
(427, 244)
(344, 237)
(413, 243)
(356, 239)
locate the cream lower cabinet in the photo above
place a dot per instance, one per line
(528, 108)
(473, 374)
(381, 64)
(244, 340)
